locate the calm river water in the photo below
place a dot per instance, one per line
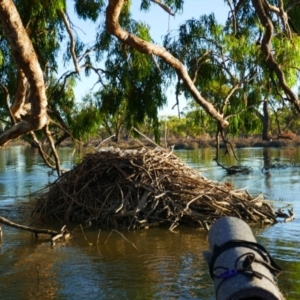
(149, 264)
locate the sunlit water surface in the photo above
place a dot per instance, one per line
(148, 264)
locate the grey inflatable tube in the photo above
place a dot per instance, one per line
(240, 268)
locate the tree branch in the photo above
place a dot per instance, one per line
(164, 7)
(261, 8)
(283, 16)
(26, 60)
(18, 108)
(113, 27)
(54, 152)
(12, 118)
(47, 159)
(72, 42)
(27, 228)
(230, 93)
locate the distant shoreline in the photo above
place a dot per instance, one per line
(179, 143)
(196, 143)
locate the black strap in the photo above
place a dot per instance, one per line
(267, 259)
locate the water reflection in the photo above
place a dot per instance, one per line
(172, 269)
(165, 266)
(267, 159)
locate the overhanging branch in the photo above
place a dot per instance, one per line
(113, 27)
(261, 8)
(27, 61)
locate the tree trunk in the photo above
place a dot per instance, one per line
(27, 61)
(262, 10)
(266, 122)
(18, 107)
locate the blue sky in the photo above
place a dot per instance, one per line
(160, 24)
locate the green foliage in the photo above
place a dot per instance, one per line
(85, 121)
(1, 58)
(133, 87)
(224, 58)
(61, 97)
(44, 27)
(89, 9)
(225, 63)
(174, 5)
(81, 119)
(176, 126)
(194, 124)
(288, 55)
(145, 5)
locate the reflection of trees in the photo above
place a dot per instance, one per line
(166, 265)
(267, 157)
(31, 156)
(289, 281)
(30, 275)
(290, 284)
(285, 250)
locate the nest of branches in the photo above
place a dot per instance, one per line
(144, 188)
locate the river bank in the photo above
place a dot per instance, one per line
(195, 143)
(188, 143)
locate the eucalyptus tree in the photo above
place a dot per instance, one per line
(278, 41)
(132, 85)
(224, 67)
(31, 48)
(34, 99)
(260, 24)
(260, 30)
(44, 28)
(226, 63)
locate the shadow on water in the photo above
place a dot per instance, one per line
(165, 265)
(160, 265)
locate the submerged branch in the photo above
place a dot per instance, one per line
(27, 228)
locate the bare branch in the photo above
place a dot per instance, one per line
(72, 42)
(27, 228)
(231, 92)
(177, 96)
(283, 16)
(156, 63)
(48, 161)
(164, 7)
(233, 13)
(238, 6)
(292, 5)
(54, 152)
(87, 51)
(199, 65)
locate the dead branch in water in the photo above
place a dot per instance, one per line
(55, 235)
(27, 228)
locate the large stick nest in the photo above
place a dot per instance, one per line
(142, 188)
